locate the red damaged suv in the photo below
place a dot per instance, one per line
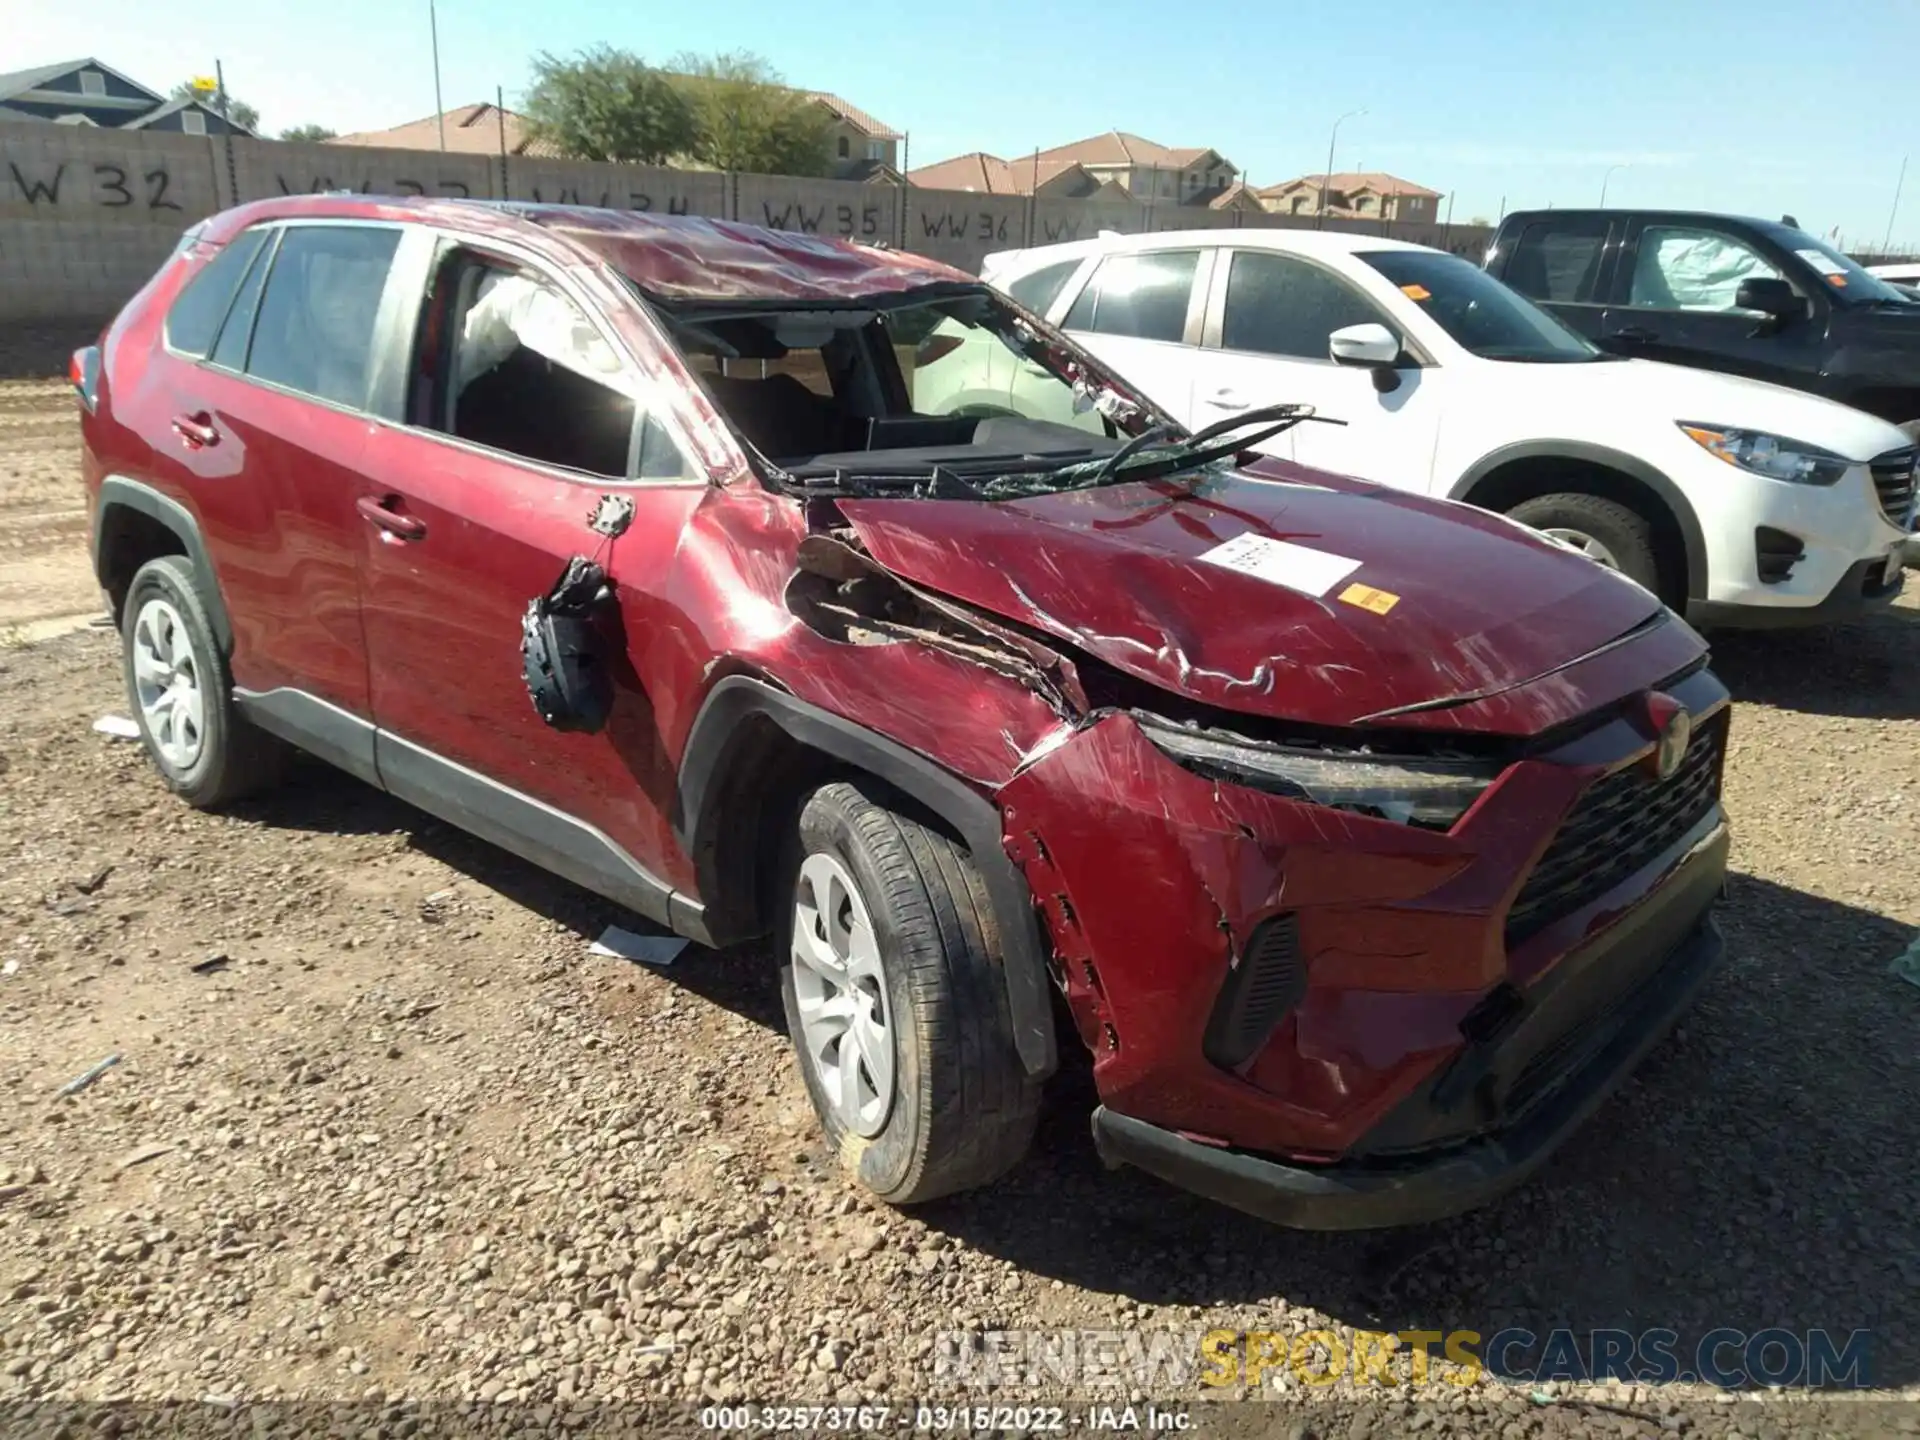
(1368, 840)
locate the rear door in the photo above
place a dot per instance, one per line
(266, 423)
(1140, 311)
(1673, 299)
(1267, 342)
(1565, 266)
(521, 414)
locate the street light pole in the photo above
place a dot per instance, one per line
(1608, 176)
(439, 106)
(1898, 185)
(1326, 182)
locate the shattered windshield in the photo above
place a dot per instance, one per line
(952, 385)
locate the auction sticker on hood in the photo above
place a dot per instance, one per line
(1279, 562)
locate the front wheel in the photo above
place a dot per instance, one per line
(895, 1001)
(1603, 530)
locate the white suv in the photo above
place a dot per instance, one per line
(1735, 501)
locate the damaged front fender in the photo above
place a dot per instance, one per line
(725, 723)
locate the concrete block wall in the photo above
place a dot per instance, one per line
(85, 224)
(87, 215)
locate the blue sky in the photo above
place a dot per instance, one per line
(1761, 106)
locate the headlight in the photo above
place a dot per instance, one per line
(1429, 793)
(1773, 456)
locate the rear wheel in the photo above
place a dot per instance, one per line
(1603, 530)
(895, 1001)
(182, 693)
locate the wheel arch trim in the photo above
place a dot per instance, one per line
(1692, 538)
(120, 492)
(711, 749)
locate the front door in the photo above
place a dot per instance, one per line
(1675, 288)
(1267, 335)
(522, 417)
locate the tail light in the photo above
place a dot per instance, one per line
(84, 371)
(933, 348)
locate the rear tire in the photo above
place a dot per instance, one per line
(895, 1000)
(1604, 530)
(181, 693)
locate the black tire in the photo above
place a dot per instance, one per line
(1626, 534)
(234, 758)
(963, 1108)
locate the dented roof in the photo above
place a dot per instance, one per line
(673, 258)
(684, 257)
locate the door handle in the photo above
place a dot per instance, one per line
(379, 509)
(196, 429)
(1634, 335)
(1226, 400)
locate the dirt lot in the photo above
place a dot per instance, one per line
(383, 1127)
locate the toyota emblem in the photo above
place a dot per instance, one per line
(1673, 730)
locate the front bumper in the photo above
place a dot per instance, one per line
(1361, 1195)
(1851, 546)
(1866, 586)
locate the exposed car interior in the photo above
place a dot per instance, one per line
(835, 387)
(509, 362)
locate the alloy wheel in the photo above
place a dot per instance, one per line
(166, 682)
(841, 993)
(1584, 543)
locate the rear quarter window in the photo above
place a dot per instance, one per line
(194, 320)
(1040, 288)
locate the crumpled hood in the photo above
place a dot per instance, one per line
(1482, 605)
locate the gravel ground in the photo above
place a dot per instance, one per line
(384, 1128)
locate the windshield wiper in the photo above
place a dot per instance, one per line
(1134, 461)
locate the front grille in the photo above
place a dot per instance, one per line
(1619, 825)
(1894, 482)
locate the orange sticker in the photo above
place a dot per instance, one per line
(1416, 292)
(1839, 280)
(1368, 598)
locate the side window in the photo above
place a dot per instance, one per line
(1142, 296)
(1040, 288)
(314, 331)
(1683, 267)
(194, 319)
(522, 370)
(1558, 262)
(1277, 305)
(230, 351)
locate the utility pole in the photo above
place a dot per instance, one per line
(233, 174)
(1898, 185)
(439, 106)
(1606, 177)
(1326, 183)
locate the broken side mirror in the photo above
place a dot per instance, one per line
(1372, 345)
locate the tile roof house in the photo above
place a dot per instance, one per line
(1354, 195)
(863, 148)
(85, 92)
(1116, 166)
(470, 130)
